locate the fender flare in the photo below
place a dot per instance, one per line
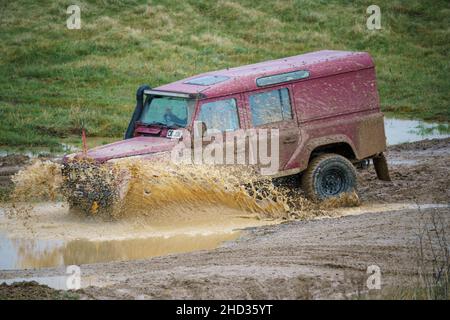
(301, 155)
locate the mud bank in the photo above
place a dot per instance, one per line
(33, 291)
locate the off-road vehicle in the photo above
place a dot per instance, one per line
(324, 104)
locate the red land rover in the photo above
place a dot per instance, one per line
(324, 104)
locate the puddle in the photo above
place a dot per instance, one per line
(36, 152)
(385, 207)
(404, 162)
(48, 236)
(31, 253)
(400, 130)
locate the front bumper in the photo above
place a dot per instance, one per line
(89, 186)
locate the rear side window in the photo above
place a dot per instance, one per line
(220, 115)
(270, 106)
(283, 77)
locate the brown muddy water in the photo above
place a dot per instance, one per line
(41, 253)
(48, 235)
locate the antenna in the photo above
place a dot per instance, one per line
(83, 139)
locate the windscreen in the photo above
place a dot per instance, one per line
(168, 111)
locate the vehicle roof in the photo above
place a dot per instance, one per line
(243, 78)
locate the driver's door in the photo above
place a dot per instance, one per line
(221, 118)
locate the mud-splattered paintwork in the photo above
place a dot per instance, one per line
(337, 103)
(131, 147)
(319, 64)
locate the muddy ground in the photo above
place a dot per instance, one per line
(321, 258)
(34, 291)
(419, 172)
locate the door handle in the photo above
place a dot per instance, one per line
(289, 140)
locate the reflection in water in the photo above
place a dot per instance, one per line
(399, 130)
(36, 152)
(26, 253)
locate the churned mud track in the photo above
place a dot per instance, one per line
(323, 258)
(298, 260)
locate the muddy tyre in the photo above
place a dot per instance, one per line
(328, 175)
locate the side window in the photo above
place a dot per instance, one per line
(270, 106)
(220, 115)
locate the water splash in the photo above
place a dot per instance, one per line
(137, 187)
(39, 181)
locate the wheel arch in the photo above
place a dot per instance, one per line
(341, 148)
(339, 144)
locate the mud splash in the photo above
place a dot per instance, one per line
(134, 187)
(39, 181)
(159, 200)
(153, 187)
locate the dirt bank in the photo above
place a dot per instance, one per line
(322, 258)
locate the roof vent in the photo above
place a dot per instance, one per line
(207, 80)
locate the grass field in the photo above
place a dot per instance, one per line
(52, 80)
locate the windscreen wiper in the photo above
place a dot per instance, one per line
(156, 123)
(175, 126)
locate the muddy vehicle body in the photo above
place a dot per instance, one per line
(325, 105)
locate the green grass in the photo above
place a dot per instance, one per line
(52, 80)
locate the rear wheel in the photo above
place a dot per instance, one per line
(328, 175)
